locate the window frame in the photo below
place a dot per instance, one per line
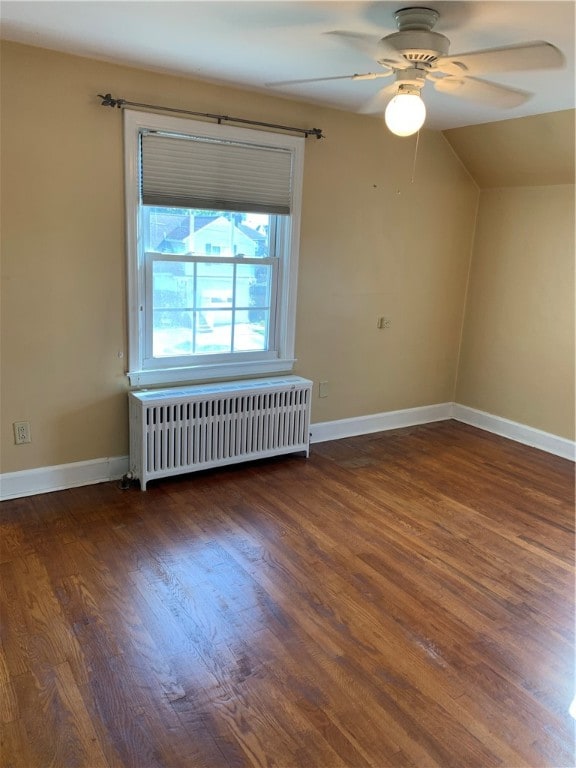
(170, 371)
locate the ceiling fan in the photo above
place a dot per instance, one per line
(416, 54)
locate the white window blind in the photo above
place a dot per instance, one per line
(195, 172)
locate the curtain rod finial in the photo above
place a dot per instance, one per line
(108, 101)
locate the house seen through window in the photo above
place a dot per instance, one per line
(204, 306)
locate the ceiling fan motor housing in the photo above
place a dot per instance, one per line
(415, 40)
(416, 18)
(419, 46)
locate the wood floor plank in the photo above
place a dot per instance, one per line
(319, 631)
(58, 730)
(15, 747)
(8, 703)
(399, 599)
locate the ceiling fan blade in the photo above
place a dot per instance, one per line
(378, 102)
(379, 50)
(367, 44)
(366, 76)
(482, 91)
(513, 58)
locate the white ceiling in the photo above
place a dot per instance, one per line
(248, 44)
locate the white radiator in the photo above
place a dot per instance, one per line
(173, 431)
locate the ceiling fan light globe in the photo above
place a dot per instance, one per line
(405, 114)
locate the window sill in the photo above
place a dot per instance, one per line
(169, 376)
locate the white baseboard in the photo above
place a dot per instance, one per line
(521, 433)
(29, 482)
(379, 422)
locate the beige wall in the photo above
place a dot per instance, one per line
(372, 243)
(517, 357)
(375, 244)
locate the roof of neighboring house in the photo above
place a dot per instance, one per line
(253, 233)
(203, 221)
(176, 226)
(168, 226)
(180, 232)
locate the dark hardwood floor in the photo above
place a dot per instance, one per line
(398, 599)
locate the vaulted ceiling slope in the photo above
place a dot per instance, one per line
(528, 151)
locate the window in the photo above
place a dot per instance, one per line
(213, 228)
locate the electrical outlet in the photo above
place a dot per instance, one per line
(322, 389)
(22, 432)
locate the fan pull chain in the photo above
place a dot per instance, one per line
(415, 155)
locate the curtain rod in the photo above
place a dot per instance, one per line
(108, 101)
